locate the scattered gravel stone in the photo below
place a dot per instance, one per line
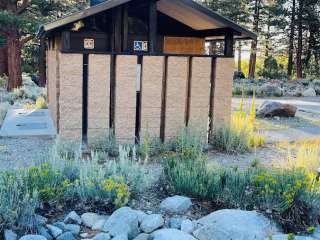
(142, 236)
(89, 219)
(73, 218)
(175, 222)
(151, 223)
(66, 236)
(176, 204)
(73, 228)
(102, 236)
(235, 224)
(171, 234)
(33, 237)
(10, 235)
(122, 221)
(187, 226)
(54, 231)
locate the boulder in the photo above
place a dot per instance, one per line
(142, 236)
(44, 232)
(54, 231)
(102, 236)
(187, 226)
(141, 215)
(269, 90)
(310, 92)
(66, 236)
(73, 218)
(235, 224)
(170, 234)
(89, 219)
(151, 223)
(176, 204)
(272, 109)
(73, 228)
(33, 237)
(285, 237)
(60, 225)
(175, 222)
(120, 237)
(98, 225)
(10, 235)
(122, 221)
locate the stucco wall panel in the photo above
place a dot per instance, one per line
(176, 95)
(200, 93)
(152, 76)
(52, 84)
(98, 94)
(125, 106)
(70, 100)
(223, 92)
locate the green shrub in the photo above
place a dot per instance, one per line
(17, 202)
(291, 196)
(240, 135)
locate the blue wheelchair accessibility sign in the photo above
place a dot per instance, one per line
(140, 46)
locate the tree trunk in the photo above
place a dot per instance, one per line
(239, 56)
(3, 61)
(299, 49)
(14, 62)
(268, 36)
(42, 63)
(291, 40)
(254, 43)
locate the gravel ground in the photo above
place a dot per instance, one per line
(22, 152)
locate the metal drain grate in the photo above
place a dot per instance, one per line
(32, 126)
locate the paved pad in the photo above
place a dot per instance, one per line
(21, 122)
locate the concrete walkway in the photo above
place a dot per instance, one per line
(22, 123)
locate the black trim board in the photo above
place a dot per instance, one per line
(85, 100)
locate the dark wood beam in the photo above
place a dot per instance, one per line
(228, 44)
(125, 27)
(153, 26)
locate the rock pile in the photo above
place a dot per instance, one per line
(170, 223)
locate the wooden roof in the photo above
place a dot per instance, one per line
(187, 12)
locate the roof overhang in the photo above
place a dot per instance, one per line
(187, 12)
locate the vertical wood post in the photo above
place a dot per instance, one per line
(228, 44)
(117, 29)
(188, 99)
(212, 89)
(125, 28)
(164, 99)
(152, 26)
(84, 146)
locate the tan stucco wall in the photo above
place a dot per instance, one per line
(125, 109)
(70, 101)
(152, 76)
(98, 95)
(200, 93)
(223, 91)
(52, 83)
(176, 95)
